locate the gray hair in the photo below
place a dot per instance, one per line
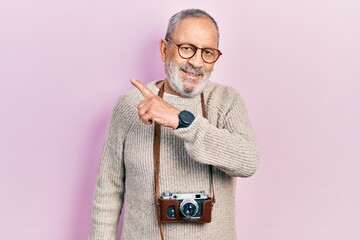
(187, 13)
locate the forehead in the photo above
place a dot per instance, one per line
(198, 31)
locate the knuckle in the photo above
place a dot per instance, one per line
(141, 112)
(151, 111)
(153, 98)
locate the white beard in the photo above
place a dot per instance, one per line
(172, 72)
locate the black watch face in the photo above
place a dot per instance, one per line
(186, 117)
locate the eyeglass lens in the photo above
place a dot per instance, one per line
(209, 55)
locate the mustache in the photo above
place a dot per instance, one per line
(190, 68)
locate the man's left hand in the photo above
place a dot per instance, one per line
(154, 108)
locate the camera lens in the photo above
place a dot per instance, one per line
(189, 208)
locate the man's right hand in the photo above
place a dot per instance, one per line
(154, 108)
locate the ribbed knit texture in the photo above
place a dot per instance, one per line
(126, 174)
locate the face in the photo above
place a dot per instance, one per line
(188, 77)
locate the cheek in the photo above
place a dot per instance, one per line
(172, 55)
(178, 61)
(209, 67)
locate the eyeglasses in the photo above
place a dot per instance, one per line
(187, 51)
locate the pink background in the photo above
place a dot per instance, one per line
(64, 63)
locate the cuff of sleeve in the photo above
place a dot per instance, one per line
(190, 133)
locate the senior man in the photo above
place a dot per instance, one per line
(175, 144)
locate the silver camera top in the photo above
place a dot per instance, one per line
(182, 196)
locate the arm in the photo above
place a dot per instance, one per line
(109, 191)
(232, 149)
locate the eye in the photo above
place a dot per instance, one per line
(187, 48)
(209, 52)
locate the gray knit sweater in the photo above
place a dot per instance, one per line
(126, 175)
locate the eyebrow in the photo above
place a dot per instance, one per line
(196, 45)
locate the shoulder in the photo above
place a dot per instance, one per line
(128, 101)
(131, 98)
(125, 109)
(222, 96)
(124, 114)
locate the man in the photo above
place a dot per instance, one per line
(190, 142)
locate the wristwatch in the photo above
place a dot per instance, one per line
(185, 119)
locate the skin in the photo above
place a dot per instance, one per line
(200, 32)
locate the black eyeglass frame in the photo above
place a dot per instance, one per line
(196, 48)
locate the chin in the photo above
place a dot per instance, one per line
(190, 85)
(183, 85)
(193, 89)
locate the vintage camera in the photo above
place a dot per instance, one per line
(185, 207)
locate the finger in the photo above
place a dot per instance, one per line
(143, 89)
(146, 118)
(142, 109)
(144, 105)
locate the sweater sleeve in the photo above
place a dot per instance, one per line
(232, 149)
(109, 190)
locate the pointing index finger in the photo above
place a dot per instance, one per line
(143, 89)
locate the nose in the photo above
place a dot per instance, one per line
(196, 60)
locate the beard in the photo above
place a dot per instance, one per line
(179, 83)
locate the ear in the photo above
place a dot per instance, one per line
(163, 47)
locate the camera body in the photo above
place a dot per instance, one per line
(185, 207)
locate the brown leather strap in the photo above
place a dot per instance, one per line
(156, 153)
(210, 166)
(157, 137)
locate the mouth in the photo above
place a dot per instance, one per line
(192, 74)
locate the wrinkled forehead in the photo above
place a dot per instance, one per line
(200, 31)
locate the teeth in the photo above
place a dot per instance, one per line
(192, 74)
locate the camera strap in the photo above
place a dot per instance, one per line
(156, 153)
